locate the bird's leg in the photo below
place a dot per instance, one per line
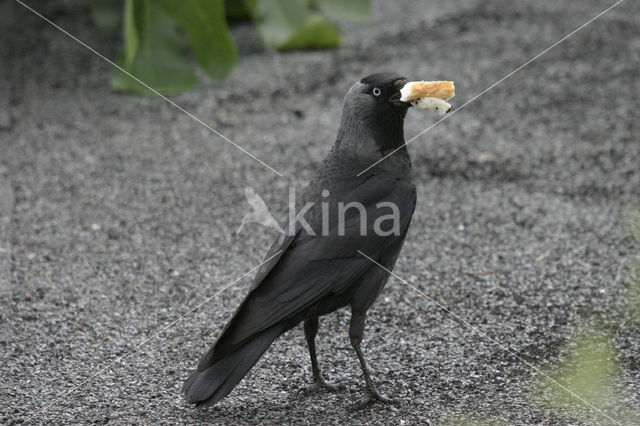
(319, 383)
(356, 330)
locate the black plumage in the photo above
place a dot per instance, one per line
(316, 272)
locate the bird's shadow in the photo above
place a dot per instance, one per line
(295, 404)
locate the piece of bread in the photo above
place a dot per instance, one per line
(433, 104)
(427, 89)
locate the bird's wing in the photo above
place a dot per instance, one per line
(310, 267)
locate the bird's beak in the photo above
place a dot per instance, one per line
(395, 98)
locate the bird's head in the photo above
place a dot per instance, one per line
(373, 115)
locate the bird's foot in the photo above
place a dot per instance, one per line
(320, 384)
(372, 396)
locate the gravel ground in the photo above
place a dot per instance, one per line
(117, 213)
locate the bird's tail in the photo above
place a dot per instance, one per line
(215, 381)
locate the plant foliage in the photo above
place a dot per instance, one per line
(158, 34)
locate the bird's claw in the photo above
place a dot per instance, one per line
(321, 384)
(372, 396)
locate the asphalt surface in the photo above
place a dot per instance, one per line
(117, 213)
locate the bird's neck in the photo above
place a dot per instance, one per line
(382, 135)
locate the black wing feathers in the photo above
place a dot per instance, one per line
(311, 267)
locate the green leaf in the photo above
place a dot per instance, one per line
(350, 10)
(107, 14)
(130, 32)
(289, 24)
(315, 33)
(589, 372)
(152, 55)
(277, 20)
(204, 21)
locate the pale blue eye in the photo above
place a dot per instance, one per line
(376, 91)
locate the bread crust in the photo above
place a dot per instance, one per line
(427, 89)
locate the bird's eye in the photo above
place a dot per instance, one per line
(376, 91)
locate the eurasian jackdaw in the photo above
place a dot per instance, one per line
(317, 267)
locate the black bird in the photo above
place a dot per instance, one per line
(317, 268)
